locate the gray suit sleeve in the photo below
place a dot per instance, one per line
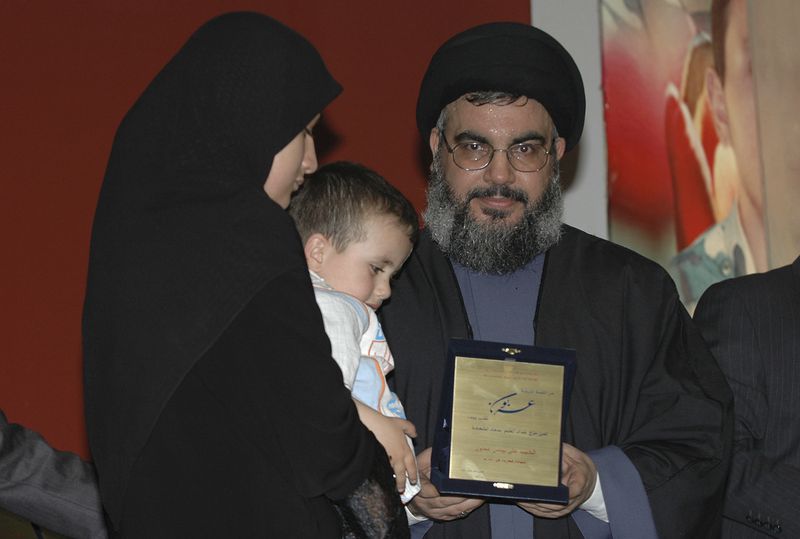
(54, 489)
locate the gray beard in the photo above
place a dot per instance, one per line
(493, 246)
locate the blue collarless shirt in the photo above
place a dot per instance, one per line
(502, 308)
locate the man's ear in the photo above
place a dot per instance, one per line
(315, 249)
(716, 101)
(433, 141)
(561, 147)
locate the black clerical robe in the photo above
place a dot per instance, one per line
(645, 379)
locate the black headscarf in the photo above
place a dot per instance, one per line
(184, 235)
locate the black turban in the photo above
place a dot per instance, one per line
(505, 57)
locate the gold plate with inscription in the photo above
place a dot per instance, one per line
(500, 422)
(506, 422)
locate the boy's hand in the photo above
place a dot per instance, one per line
(391, 432)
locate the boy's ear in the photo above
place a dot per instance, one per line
(315, 249)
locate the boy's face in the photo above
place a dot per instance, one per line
(363, 269)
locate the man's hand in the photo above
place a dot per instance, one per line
(579, 474)
(433, 505)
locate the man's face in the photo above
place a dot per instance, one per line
(497, 219)
(498, 193)
(740, 101)
(734, 106)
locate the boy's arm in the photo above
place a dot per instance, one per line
(392, 433)
(344, 328)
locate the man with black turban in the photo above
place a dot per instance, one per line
(648, 431)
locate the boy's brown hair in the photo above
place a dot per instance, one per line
(338, 199)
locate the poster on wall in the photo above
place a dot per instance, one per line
(685, 178)
(776, 72)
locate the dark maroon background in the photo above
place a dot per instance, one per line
(70, 71)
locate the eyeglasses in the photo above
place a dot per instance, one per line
(523, 157)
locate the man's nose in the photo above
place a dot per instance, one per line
(499, 170)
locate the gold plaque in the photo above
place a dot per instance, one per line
(506, 424)
(501, 421)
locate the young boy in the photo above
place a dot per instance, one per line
(357, 232)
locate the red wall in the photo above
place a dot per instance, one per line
(70, 70)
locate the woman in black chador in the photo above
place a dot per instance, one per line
(213, 406)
